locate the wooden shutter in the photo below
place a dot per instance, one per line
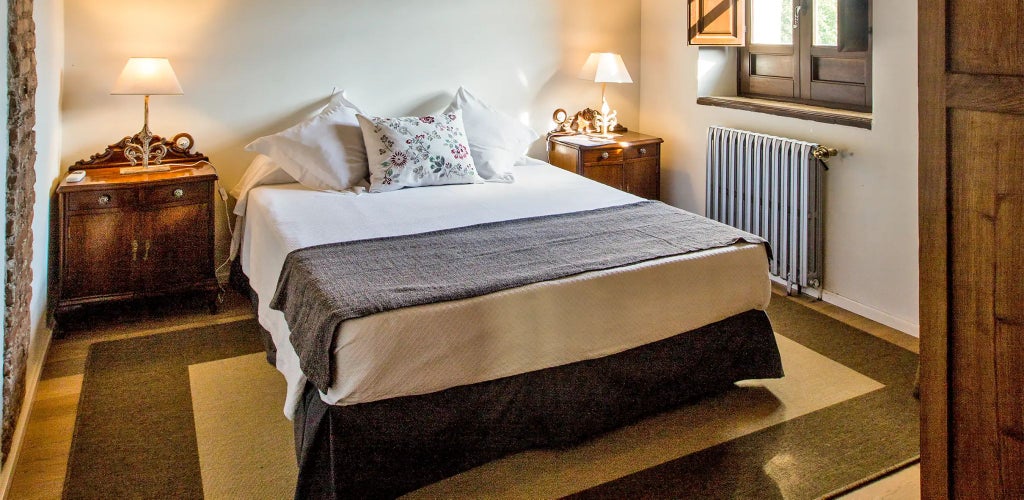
(854, 19)
(717, 22)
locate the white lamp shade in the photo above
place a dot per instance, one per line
(605, 67)
(147, 76)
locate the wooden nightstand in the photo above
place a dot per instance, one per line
(632, 163)
(128, 236)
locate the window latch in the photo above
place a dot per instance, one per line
(796, 17)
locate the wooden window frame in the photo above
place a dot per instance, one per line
(801, 86)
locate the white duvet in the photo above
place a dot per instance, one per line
(423, 349)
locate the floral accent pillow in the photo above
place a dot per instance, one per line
(414, 151)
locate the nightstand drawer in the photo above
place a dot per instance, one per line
(100, 199)
(644, 151)
(186, 192)
(609, 155)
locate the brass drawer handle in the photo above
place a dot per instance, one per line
(178, 193)
(643, 151)
(605, 155)
(135, 250)
(103, 199)
(145, 255)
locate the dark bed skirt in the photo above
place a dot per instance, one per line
(386, 448)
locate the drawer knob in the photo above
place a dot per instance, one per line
(604, 156)
(103, 199)
(178, 193)
(643, 151)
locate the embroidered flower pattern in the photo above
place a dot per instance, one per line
(421, 151)
(398, 158)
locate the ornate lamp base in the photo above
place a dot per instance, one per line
(142, 148)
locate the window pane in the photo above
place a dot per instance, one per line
(771, 22)
(825, 23)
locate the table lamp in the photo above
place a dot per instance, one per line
(605, 68)
(146, 76)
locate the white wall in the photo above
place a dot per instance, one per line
(252, 67)
(871, 260)
(49, 19)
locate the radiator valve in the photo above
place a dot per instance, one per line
(824, 153)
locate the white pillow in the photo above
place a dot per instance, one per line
(413, 151)
(496, 140)
(261, 172)
(324, 152)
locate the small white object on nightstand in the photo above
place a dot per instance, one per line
(76, 176)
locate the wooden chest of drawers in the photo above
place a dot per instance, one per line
(632, 163)
(128, 236)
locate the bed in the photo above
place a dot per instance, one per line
(419, 393)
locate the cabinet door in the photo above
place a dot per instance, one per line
(717, 22)
(177, 246)
(98, 254)
(642, 178)
(605, 174)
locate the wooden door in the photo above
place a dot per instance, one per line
(609, 175)
(176, 246)
(971, 182)
(100, 252)
(641, 178)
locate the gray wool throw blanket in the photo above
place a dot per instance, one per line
(322, 286)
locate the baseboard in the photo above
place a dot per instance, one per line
(871, 313)
(858, 308)
(32, 380)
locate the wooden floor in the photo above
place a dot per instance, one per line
(39, 471)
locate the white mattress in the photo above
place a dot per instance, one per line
(423, 349)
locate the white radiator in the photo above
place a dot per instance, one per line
(772, 187)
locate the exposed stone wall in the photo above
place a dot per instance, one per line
(21, 179)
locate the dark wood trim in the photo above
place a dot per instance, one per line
(805, 88)
(998, 94)
(778, 108)
(933, 230)
(114, 155)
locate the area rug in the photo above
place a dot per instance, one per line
(197, 413)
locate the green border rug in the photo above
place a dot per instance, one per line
(135, 434)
